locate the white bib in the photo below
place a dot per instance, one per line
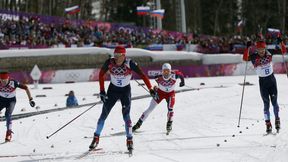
(264, 70)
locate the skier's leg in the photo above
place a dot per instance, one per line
(170, 106)
(8, 114)
(170, 114)
(151, 107)
(8, 117)
(107, 106)
(265, 97)
(145, 114)
(273, 95)
(126, 105)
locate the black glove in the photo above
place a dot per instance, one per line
(182, 84)
(31, 102)
(279, 40)
(154, 94)
(103, 96)
(248, 44)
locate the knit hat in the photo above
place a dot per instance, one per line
(4, 75)
(120, 49)
(261, 44)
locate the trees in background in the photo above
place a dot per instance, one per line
(213, 17)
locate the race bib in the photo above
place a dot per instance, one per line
(265, 70)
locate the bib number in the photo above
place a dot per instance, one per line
(267, 71)
(119, 82)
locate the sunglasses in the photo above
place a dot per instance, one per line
(261, 49)
(119, 54)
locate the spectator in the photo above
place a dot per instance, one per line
(71, 100)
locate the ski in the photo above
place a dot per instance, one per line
(5, 142)
(88, 152)
(267, 134)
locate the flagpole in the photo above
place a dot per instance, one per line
(159, 20)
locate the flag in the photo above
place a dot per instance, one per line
(273, 33)
(273, 30)
(143, 10)
(72, 10)
(158, 13)
(240, 25)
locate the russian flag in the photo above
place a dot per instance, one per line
(274, 32)
(72, 10)
(143, 10)
(158, 13)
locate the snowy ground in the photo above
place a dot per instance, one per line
(202, 120)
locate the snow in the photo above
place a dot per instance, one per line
(203, 118)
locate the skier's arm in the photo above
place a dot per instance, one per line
(246, 54)
(23, 86)
(181, 76)
(102, 73)
(282, 45)
(138, 70)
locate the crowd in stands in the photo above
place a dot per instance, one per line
(34, 34)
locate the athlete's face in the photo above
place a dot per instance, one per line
(261, 51)
(166, 73)
(3, 82)
(119, 58)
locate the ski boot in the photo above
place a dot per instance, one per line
(268, 127)
(8, 136)
(129, 143)
(168, 127)
(137, 125)
(277, 124)
(94, 142)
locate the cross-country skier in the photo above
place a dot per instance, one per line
(262, 62)
(120, 69)
(8, 99)
(165, 90)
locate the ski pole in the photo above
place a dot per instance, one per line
(142, 86)
(242, 96)
(285, 66)
(72, 120)
(155, 99)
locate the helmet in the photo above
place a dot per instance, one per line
(166, 75)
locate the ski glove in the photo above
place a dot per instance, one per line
(154, 94)
(182, 84)
(103, 96)
(31, 102)
(246, 55)
(248, 44)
